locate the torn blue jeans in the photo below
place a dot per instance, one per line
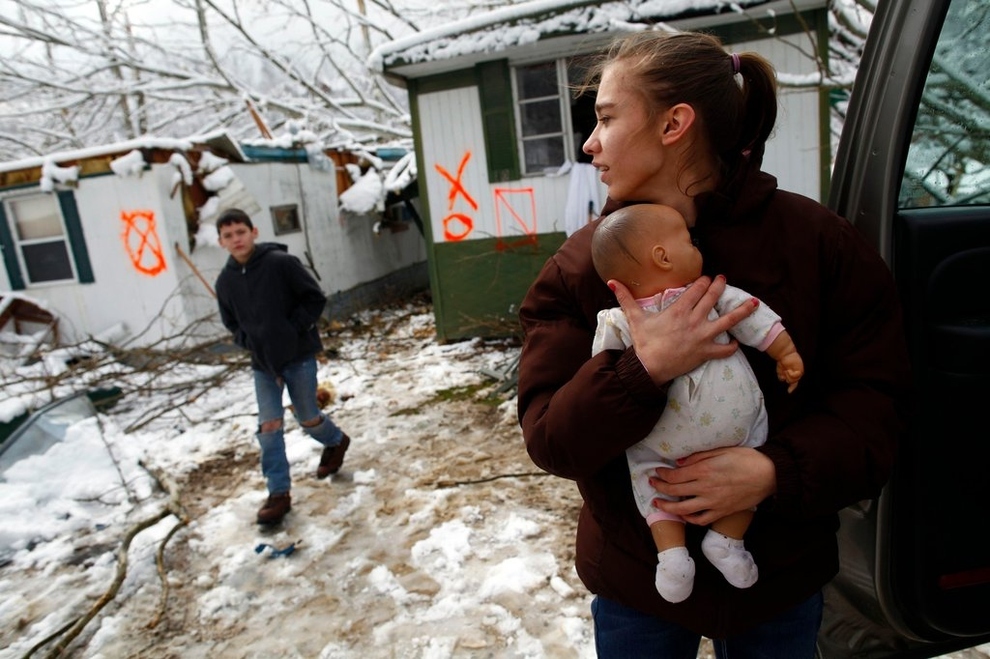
(299, 377)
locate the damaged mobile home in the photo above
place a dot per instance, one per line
(119, 240)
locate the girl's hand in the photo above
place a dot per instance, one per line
(681, 338)
(716, 483)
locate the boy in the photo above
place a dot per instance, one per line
(271, 304)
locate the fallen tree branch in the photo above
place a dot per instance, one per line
(489, 479)
(114, 588)
(177, 509)
(72, 630)
(48, 639)
(160, 563)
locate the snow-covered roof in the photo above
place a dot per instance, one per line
(520, 25)
(218, 139)
(96, 152)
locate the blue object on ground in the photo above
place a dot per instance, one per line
(285, 551)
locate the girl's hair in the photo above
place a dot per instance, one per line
(692, 67)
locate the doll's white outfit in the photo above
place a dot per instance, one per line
(718, 404)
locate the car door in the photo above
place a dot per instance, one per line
(913, 174)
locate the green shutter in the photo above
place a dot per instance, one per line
(9, 252)
(73, 226)
(498, 120)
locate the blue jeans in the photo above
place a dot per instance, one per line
(624, 633)
(299, 377)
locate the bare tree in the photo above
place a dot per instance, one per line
(76, 74)
(79, 74)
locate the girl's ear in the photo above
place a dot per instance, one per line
(676, 122)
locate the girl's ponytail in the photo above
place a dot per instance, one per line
(759, 104)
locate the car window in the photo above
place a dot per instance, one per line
(948, 163)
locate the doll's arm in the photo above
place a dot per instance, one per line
(790, 366)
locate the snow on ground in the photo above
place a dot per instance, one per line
(438, 538)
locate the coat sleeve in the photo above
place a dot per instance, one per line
(612, 332)
(841, 448)
(578, 413)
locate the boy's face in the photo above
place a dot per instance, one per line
(238, 239)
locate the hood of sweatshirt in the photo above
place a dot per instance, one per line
(260, 251)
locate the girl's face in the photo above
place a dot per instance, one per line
(625, 145)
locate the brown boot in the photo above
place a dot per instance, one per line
(333, 457)
(275, 508)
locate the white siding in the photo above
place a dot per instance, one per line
(794, 150)
(343, 252)
(452, 130)
(451, 126)
(122, 292)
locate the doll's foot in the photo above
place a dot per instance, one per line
(729, 555)
(675, 574)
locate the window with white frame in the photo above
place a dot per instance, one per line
(39, 235)
(553, 121)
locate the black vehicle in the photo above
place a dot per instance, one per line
(913, 173)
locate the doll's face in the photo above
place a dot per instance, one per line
(684, 256)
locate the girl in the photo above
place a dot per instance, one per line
(683, 123)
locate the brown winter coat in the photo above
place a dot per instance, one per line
(832, 441)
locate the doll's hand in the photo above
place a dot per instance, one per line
(790, 369)
(681, 338)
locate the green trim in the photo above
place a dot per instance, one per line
(414, 89)
(442, 82)
(498, 119)
(9, 252)
(484, 283)
(77, 242)
(783, 25)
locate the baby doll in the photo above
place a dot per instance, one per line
(648, 248)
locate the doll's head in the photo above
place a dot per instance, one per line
(647, 247)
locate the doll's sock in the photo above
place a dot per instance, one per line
(675, 574)
(729, 555)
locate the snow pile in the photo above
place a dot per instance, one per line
(438, 536)
(52, 174)
(365, 196)
(183, 170)
(131, 164)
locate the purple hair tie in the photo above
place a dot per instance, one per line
(735, 63)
